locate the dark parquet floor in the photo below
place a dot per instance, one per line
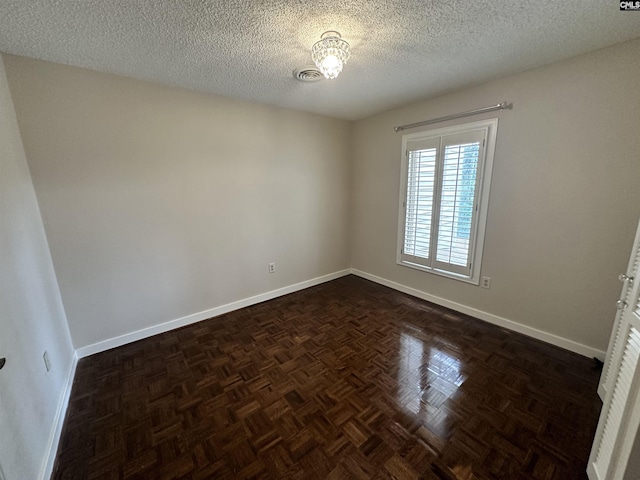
(345, 380)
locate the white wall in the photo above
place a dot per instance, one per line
(160, 203)
(32, 319)
(564, 199)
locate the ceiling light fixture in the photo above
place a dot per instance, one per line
(330, 54)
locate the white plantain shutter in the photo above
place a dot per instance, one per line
(620, 417)
(625, 299)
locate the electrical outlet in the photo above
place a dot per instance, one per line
(485, 282)
(47, 362)
(272, 267)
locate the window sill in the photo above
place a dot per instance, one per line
(474, 280)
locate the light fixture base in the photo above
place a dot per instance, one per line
(329, 34)
(330, 53)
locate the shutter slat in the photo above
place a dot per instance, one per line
(456, 203)
(633, 270)
(419, 202)
(621, 390)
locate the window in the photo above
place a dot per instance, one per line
(444, 196)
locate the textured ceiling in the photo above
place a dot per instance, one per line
(402, 50)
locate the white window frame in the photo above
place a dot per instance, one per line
(483, 186)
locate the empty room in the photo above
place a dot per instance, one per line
(319, 240)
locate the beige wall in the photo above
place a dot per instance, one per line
(564, 199)
(32, 317)
(161, 203)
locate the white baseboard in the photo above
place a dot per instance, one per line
(197, 317)
(58, 423)
(488, 317)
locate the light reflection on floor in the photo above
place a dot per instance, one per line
(409, 381)
(425, 380)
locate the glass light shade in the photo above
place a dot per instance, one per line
(330, 54)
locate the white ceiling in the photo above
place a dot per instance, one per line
(402, 50)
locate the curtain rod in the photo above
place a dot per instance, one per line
(499, 106)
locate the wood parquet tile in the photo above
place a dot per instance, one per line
(345, 380)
